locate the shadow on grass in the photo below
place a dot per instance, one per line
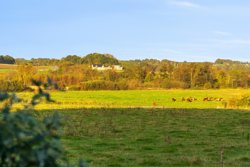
(155, 137)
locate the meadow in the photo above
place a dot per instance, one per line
(10, 68)
(145, 128)
(138, 98)
(156, 137)
(7, 68)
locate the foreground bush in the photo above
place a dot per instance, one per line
(25, 141)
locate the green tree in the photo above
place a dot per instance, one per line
(97, 58)
(73, 59)
(25, 73)
(7, 59)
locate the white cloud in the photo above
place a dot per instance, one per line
(184, 4)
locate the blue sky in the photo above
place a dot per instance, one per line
(191, 30)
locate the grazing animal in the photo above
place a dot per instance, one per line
(210, 99)
(173, 99)
(189, 100)
(218, 99)
(205, 99)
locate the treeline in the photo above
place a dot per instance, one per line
(6, 59)
(75, 73)
(93, 58)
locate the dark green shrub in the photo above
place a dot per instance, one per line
(25, 141)
(103, 85)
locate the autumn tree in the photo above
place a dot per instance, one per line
(25, 73)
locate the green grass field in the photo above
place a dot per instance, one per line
(9, 68)
(124, 129)
(138, 98)
(156, 137)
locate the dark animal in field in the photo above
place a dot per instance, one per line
(189, 100)
(219, 99)
(210, 99)
(205, 99)
(173, 99)
(193, 98)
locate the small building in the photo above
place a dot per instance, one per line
(101, 67)
(118, 67)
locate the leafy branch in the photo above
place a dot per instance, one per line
(25, 141)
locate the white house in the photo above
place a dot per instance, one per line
(101, 67)
(118, 67)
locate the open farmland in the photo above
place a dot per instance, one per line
(143, 128)
(8, 68)
(125, 83)
(156, 137)
(139, 98)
